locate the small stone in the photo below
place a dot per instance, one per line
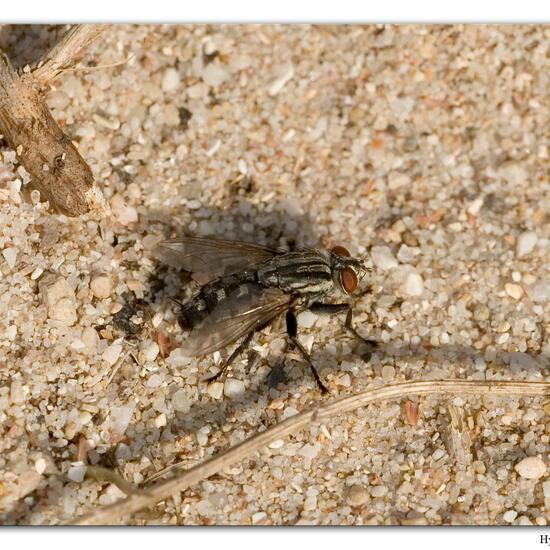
(214, 74)
(540, 292)
(285, 74)
(481, 312)
(149, 352)
(90, 339)
(36, 273)
(513, 290)
(277, 444)
(397, 180)
(258, 517)
(58, 296)
(233, 387)
(112, 353)
(124, 213)
(378, 491)
(11, 332)
(170, 80)
(215, 390)
(510, 516)
(154, 381)
(160, 420)
(310, 503)
(532, 467)
(546, 489)
(438, 453)
(10, 255)
(388, 373)
(344, 380)
(100, 285)
(383, 258)
(406, 253)
(307, 319)
(413, 285)
(40, 465)
(310, 451)
(181, 402)
(526, 243)
(77, 471)
(357, 495)
(17, 392)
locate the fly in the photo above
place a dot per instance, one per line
(247, 286)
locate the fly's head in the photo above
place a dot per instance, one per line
(347, 272)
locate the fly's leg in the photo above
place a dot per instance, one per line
(292, 331)
(320, 308)
(240, 348)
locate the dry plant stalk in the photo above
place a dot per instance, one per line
(111, 513)
(47, 154)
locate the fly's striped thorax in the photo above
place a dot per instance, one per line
(306, 272)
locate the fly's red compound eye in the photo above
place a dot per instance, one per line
(348, 278)
(341, 251)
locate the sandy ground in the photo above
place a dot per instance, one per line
(427, 146)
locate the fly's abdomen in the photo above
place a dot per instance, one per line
(209, 296)
(298, 272)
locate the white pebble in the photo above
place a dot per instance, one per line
(510, 516)
(526, 243)
(77, 471)
(154, 381)
(383, 257)
(181, 402)
(124, 213)
(277, 444)
(10, 254)
(258, 517)
(438, 453)
(214, 74)
(11, 332)
(388, 373)
(344, 380)
(307, 319)
(378, 491)
(310, 451)
(160, 420)
(170, 80)
(357, 495)
(413, 285)
(112, 353)
(150, 351)
(540, 292)
(215, 390)
(100, 285)
(406, 254)
(59, 298)
(40, 465)
(284, 75)
(513, 290)
(36, 273)
(119, 418)
(532, 467)
(397, 180)
(233, 387)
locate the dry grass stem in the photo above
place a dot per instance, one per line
(148, 497)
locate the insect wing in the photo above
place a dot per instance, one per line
(213, 257)
(245, 309)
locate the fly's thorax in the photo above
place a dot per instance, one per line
(303, 272)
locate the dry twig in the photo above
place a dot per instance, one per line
(148, 497)
(47, 154)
